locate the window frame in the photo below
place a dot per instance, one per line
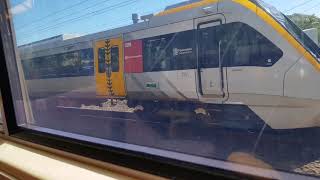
(153, 164)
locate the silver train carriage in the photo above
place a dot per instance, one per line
(225, 52)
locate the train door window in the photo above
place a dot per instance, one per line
(101, 60)
(208, 48)
(248, 48)
(115, 59)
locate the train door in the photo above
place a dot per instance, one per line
(211, 68)
(109, 70)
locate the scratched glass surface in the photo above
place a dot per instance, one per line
(1, 114)
(200, 80)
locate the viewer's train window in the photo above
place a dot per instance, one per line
(231, 85)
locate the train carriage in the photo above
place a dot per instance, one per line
(228, 52)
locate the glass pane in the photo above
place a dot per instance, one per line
(2, 118)
(115, 59)
(102, 60)
(216, 83)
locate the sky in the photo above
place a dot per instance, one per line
(39, 19)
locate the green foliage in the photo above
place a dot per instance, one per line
(306, 21)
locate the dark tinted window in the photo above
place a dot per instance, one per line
(115, 59)
(208, 43)
(50, 66)
(87, 64)
(27, 68)
(174, 51)
(43, 67)
(244, 46)
(70, 64)
(101, 60)
(76, 63)
(241, 45)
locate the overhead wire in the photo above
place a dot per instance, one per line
(121, 21)
(316, 5)
(87, 15)
(299, 5)
(68, 15)
(51, 14)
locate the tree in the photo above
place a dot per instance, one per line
(306, 21)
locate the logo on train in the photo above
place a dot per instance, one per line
(177, 51)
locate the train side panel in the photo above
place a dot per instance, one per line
(165, 85)
(167, 75)
(302, 83)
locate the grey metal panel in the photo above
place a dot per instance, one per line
(83, 84)
(210, 18)
(179, 85)
(175, 22)
(180, 16)
(156, 31)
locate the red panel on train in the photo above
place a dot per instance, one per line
(133, 58)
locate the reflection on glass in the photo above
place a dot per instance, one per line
(180, 75)
(1, 114)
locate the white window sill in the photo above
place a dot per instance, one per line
(26, 162)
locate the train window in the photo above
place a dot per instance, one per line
(157, 53)
(174, 51)
(101, 60)
(183, 51)
(70, 64)
(45, 67)
(51, 66)
(87, 63)
(27, 68)
(241, 45)
(115, 59)
(245, 46)
(208, 52)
